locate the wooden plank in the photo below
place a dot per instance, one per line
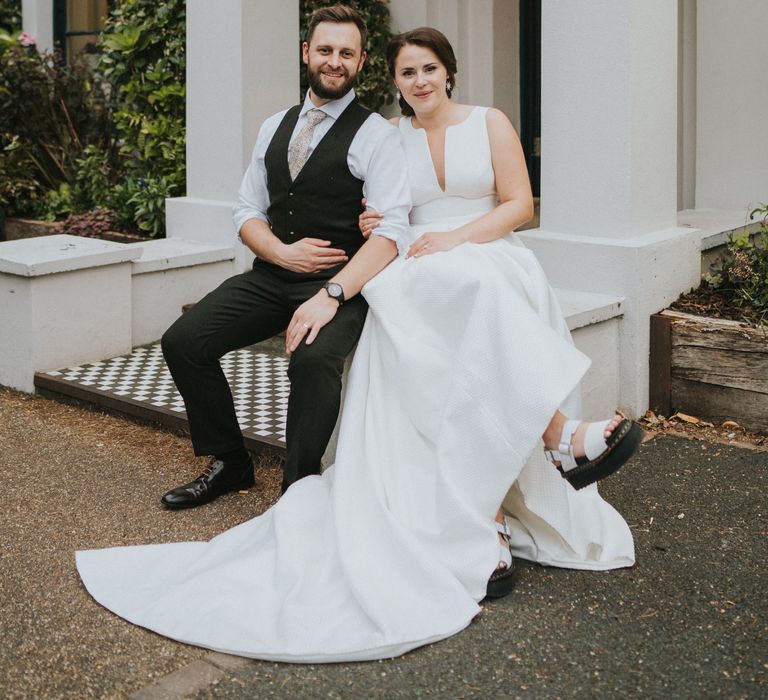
(683, 316)
(660, 365)
(719, 369)
(719, 403)
(733, 368)
(708, 335)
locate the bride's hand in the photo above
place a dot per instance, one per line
(368, 221)
(433, 242)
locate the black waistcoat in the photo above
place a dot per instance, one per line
(324, 199)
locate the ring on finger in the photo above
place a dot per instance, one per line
(306, 325)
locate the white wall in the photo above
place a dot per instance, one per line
(686, 105)
(241, 67)
(37, 20)
(609, 94)
(732, 104)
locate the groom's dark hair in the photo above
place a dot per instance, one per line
(340, 14)
(428, 38)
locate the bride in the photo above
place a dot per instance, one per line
(464, 374)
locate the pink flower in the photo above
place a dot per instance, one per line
(27, 39)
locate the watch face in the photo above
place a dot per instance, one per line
(334, 289)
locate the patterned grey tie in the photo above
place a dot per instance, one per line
(300, 146)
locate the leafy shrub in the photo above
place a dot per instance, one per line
(18, 187)
(144, 61)
(742, 273)
(374, 86)
(89, 224)
(49, 114)
(10, 15)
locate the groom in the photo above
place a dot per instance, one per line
(297, 210)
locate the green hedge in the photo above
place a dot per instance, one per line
(144, 61)
(10, 15)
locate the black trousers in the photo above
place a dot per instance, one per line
(246, 309)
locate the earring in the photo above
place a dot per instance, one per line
(398, 95)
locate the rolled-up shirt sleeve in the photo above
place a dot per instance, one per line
(253, 196)
(382, 164)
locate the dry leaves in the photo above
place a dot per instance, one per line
(729, 432)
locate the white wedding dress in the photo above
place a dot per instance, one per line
(463, 361)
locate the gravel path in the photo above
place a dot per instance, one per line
(689, 621)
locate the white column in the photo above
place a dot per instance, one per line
(609, 116)
(37, 20)
(609, 158)
(732, 104)
(686, 105)
(242, 66)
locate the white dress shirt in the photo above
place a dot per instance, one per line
(375, 156)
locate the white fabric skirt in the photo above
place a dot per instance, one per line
(463, 360)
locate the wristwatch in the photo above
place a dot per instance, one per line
(335, 291)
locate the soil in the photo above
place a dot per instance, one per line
(705, 301)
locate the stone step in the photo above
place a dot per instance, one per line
(139, 384)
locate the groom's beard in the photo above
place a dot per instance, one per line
(326, 93)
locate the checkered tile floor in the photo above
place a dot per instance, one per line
(141, 383)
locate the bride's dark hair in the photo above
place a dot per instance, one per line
(431, 39)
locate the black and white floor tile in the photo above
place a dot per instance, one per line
(258, 380)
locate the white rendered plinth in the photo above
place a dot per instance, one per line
(64, 300)
(170, 273)
(649, 271)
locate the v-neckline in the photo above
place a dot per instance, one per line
(429, 151)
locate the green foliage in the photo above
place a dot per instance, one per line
(10, 15)
(17, 181)
(144, 61)
(147, 199)
(374, 86)
(742, 273)
(49, 113)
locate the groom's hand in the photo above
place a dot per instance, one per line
(309, 318)
(368, 220)
(309, 255)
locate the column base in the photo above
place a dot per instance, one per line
(206, 221)
(650, 271)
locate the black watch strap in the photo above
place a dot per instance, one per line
(335, 291)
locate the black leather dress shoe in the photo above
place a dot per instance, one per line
(218, 478)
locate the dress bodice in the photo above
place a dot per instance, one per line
(470, 188)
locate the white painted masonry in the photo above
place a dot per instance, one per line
(732, 104)
(170, 273)
(37, 20)
(242, 66)
(609, 155)
(66, 300)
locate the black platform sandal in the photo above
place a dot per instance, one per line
(502, 580)
(602, 456)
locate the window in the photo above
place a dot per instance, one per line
(77, 24)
